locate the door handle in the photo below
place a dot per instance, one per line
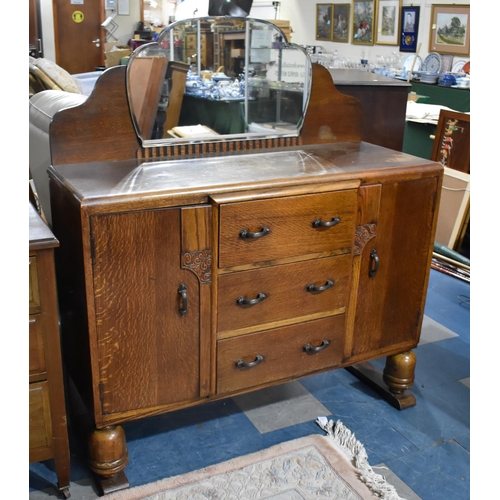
(97, 42)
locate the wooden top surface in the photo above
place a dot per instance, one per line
(193, 179)
(40, 234)
(358, 77)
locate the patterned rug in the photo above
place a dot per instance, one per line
(314, 467)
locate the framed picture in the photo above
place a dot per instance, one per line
(341, 22)
(410, 17)
(388, 18)
(324, 21)
(450, 29)
(363, 21)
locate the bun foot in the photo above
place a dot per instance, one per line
(109, 457)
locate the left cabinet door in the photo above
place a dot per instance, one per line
(147, 310)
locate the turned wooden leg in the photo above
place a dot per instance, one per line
(399, 371)
(109, 457)
(393, 384)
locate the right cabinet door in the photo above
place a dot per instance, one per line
(393, 248)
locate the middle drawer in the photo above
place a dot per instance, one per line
(269, 295)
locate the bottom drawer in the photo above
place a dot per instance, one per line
(264, 357)
(40, 423)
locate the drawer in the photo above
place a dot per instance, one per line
(40, 427)
(291, 226)
(282, 292)
(36, 346)
(282, 353)
(33, 287)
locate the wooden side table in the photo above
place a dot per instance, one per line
(47, 422)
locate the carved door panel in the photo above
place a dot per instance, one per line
(148, 275)
(391, 265)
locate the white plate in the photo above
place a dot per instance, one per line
(457, 67)
(460, 87)
(432, 63)
(408, 63)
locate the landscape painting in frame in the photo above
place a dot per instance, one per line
(324, 21)
(450, 29)
(363, 17)
(341, 22)
(388, 15)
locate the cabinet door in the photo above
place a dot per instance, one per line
(392, 266)
(147, 309)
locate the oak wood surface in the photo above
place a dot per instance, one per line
(47, 404)
(290, 223)
(285, 288)
(283, 353)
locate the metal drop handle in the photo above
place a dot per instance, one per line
(258, 359)
(314, 288)
(320, 223)
(243, 301)
(246, 234)
(375, 262)
(309, 348)
(182, 290)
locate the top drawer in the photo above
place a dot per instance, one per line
(265, 230)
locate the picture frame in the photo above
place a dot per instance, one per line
(388, 18)
(341, 22)
(410, 19)
(363, 22)
(450, 29)
(324, 21)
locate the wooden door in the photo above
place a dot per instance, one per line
(147, 348)
(389, 301)
(79, 38)
(35, 29)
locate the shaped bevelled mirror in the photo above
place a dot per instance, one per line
(218, 79)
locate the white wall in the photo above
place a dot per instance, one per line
(300, 13)
(302, 16)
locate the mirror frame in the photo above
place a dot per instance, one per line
(154, 143)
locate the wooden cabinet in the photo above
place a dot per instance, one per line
(48, 438)
(180, 297)
(194, 272)
(206, 49)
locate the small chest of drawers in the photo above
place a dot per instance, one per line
(48, 434)
(283, 281)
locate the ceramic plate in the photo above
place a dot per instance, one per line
(408, 63)
(459, 87)
(458, 67)
(432, 63)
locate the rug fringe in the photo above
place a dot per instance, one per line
(346, 441)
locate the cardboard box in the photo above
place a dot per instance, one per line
(115, 53)
(237, 52)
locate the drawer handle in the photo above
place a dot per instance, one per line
(184, 299)
(320, 223)
(245, 233)
(258, 359)
(312, 349)
(243, 301)
(375, 262)
(313, 288)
